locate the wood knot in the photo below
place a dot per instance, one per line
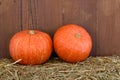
(14, 1)
(0, 3)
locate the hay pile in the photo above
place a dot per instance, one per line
(94, 68)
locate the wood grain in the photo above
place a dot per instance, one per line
(42, 14)
(10, 23)
(49, 15)
(108, 27)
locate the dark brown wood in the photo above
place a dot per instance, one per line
(82, 12)
(25, 15)
(101, 18)
(108, 27)
(49, 15)
(44, 15)
(10, 23)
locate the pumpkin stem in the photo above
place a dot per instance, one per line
(31, 32)
(77, 35)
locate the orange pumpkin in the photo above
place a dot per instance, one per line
(32, 46)
(72, 43)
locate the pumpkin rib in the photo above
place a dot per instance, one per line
(28, 59)
(44, 40)
(29, 40)
(19, 55)
(31, 60)
(69, 55)
(71, 47)
(41, 58)
(16, 47)
(47, 41)
(42, 48)
(22, 39)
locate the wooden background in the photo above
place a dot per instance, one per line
(100, 17)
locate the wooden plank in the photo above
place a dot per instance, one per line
(44, 15)
(10, 23)
(108, 27)
(81, 12)
(25, 15)
(29, 14)
(49, 15)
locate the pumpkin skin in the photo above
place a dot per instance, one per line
(72, 43)
(32, 46)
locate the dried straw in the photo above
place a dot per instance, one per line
(93, 68)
